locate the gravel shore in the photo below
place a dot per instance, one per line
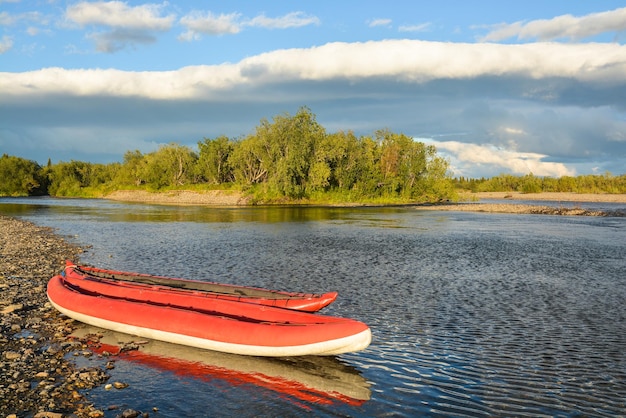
(482, 202)
(523, 209)
(551, 196)
(36, 379)
(181, 197)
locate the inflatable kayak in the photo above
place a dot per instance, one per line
(161, 289)
(228, 326)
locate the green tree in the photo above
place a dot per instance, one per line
(323, 164)
(409, 168)
(500, 183)
(246, 163)
(130, 172)
(287, 150)
(68, 178)
(437, 183)
(530, 184)
(170, 165)
(21, 177)
(213, 160)
(343, 154)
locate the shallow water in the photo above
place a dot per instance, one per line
(472, 314)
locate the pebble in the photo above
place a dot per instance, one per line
(11, 355)
(130, 413)
(48, 415)
(11, 308)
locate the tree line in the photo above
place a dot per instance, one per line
(529, 183)
(289, 158)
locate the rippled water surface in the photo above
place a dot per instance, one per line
(472, 314)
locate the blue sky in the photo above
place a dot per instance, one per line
(498, 87)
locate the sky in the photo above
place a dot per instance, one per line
(498, 87)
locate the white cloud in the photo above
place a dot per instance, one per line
(466, 157)
(119, 39)
(6, 43)
(513, 131)
(420, 61)
(198, 23)
(187, 82)
(405, 61)
(208, 23)
(125, 25)
(290, 20)
(422, 27)
(562, 27)
(6, 19)
(379, 22)
(34, 20)
(119, 14)
(617, 135)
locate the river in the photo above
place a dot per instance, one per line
(472, 314)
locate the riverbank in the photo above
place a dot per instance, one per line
(548, 196)
(570, 204)
(524, 209)
(36, 379)
(479, 202)
(181, 197)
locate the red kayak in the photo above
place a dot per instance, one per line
(191, 293)
(223, 325)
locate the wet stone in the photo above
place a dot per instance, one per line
(130, 413)
(48, 415)
(11, 355)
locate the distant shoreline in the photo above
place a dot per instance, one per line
(485, 202)
(550, 196)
